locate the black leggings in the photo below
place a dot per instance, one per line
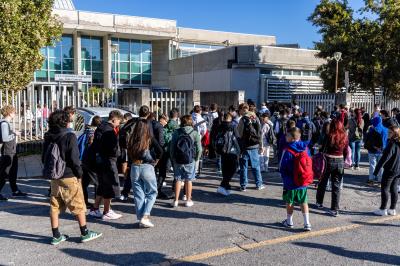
(9, 170)
(389, 184)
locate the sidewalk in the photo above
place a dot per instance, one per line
(30, 166)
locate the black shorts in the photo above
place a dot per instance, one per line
(108, 179)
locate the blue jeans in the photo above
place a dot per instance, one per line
(254, 158)
(144, 188)
(356, 152)
(373, 161)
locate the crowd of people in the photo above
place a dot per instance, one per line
(145, 149)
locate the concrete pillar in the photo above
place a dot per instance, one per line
(160, 63)
(192, 99)
(107, 61)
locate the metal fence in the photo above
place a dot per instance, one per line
(33, 106)
(308, 102)
(161, 102)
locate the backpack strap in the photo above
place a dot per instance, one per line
(291, 151)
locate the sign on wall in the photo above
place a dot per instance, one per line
(73, 78)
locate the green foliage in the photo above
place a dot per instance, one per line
(96, 90)
(26, 26)
(369, 44)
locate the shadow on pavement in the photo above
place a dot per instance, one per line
(139, 258)
(357, 255)
(24, 236)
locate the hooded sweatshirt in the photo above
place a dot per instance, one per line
(383, 132)
(286, 167)
(69, 151)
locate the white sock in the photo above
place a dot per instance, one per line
(290, 219)
(306, 217)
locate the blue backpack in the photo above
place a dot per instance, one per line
(83, 142)
(184, 150)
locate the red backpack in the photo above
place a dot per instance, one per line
(303, 169)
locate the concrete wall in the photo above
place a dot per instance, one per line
(224, 99)
(103, 23)
(218, 37)
(248, 80)
(160, 63)
(288, 57)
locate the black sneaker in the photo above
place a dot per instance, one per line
(319, 206)
(163, 196)
(19, 193)
(2, 198)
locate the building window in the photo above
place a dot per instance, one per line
(132, 63)
(188, 49)
(92, 59)
(59, 59)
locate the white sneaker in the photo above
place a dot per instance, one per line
(189, 203)
(96, 213)
(381, 212)
(223, 191)
(111, 215)
(145, 223)
(184, 198)
(175, 204)
(391, 212)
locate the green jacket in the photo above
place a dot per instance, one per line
(195, 137)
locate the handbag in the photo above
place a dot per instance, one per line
(348, 162)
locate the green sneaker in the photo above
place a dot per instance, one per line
(56, 241)
(91, 235)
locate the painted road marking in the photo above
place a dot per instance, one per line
(269, 242)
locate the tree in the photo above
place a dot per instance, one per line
(26, 26)
(369, 44)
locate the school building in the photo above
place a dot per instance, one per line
(132, 52)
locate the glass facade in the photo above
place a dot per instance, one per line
(59, 59)
(132, 63)
(92, 59)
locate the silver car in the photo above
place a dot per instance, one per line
(85, 115)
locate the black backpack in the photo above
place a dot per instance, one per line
(373, 141)
(306, 131)
(226, 143)
(250, 133)
(271, 138)
(184, 150)
(282, 126)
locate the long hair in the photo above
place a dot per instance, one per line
(337, 135)
(139, 140)
(358, 116)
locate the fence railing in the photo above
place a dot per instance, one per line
(33, 106)
(308, 102)
(161, 102)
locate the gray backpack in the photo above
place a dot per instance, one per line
(54, 165)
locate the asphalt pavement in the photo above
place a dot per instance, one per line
(242, 229)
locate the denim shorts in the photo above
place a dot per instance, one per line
(184, 172)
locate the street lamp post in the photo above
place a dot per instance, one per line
(115, 51)
(337, 56)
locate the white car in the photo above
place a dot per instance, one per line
(85, 115)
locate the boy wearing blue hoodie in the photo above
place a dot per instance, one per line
(293, 193)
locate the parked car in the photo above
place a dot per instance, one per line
(85, 115)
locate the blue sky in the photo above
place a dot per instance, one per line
(285, 19)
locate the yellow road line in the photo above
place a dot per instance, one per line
(269, 242)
